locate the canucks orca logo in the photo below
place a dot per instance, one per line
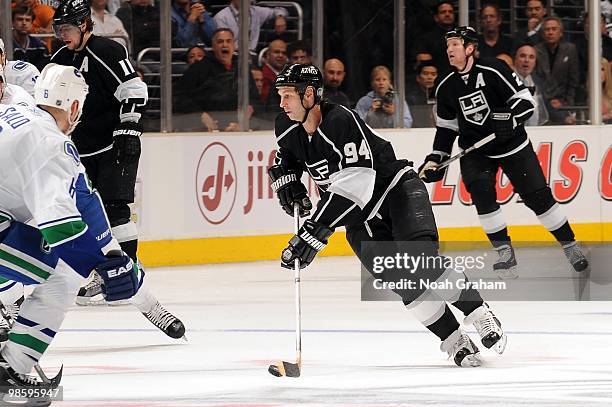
(475, 107)
(71, 150)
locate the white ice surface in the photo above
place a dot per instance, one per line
(240, 318)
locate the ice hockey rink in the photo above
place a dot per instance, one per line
(240, 318)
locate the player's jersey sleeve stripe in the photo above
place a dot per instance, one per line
(354, 183)
(64, 232)
(59, 221)
(316, 219)
(57, 52)
(103, 64)
(442, 81)
(447, 124)
(342, 215)
(284, 133)
(523, 94)
(333, 147)
(488, 68)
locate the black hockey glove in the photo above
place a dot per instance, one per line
(289, 190)
(118, 273)
(428, 171)
(502, 124)
(310, 240)
(126, 142)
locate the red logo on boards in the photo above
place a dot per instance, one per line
(216, 185)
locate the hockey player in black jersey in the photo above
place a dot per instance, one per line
(376, 196)
(108, 134)
(479, 98)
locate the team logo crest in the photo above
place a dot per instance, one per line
(475, 107)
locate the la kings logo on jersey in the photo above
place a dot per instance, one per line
(475, 107)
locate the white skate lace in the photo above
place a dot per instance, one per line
(160, 317)
(95, 283)
(13, 311)
(505, 253)
(462, 342)
(573, 252)
(485, 324)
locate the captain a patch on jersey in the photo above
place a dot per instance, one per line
(475, 107)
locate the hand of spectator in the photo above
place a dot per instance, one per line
(388, 108)
(532, 23)
(555, 103)
(280, 24)
(233, 126)
(570, 118)
(208, 122)
(376, 104)
(195, 12)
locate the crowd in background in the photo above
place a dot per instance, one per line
(358, 55)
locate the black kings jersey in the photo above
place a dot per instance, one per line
(464, 103)
(112, 81)
(349, 162)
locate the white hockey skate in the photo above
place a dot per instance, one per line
(505, 266)
(5, 325)
(488, 327)
(460, 347)
(91, 293)
(574, 255)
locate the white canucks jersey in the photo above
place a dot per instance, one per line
(16, 95)
(42, 179)
(38, 167)
(22, 74)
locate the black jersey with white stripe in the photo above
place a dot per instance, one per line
(111, 79)
(464, 103)
(349, 162)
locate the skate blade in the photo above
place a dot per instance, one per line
(94, 301)
(508, 274)
(473, 360)
(6, 400)
(500, 346)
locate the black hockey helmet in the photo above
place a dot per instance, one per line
(73, 12)
(301, 76)
(465, 32)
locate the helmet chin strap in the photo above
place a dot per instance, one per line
(467, 61)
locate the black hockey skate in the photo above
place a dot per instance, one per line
(488, 327)
(505, 266)
(5, 325)
(460, 347)
(165, 321)
(11, 380)
(575, 256)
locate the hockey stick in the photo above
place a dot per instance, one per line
(457, 156)
(283, 368)
(54, 381)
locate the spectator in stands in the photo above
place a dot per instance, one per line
(524, 66)
(43, 15)
(229, 17)
(333, 75)
(279, 33)
(492, 42)
(300, 52)
(535, 13)
(582, 47)
(194, 25)
(433, 42)
(507, 58)
(25, 47)
(105, 23)
(557, 63)
(606, 91)
(421, 97)
(141, 20)
(113, 6)
(195, 54)
(377, 107)
(275, 61)
(211, 85)
(257, 76)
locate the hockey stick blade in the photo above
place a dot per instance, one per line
(457, 156)
(283, 368)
